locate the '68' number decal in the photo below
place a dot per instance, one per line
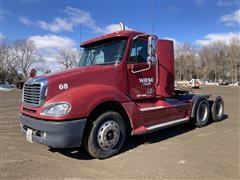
(63, 86)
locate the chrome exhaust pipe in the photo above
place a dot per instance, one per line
(122, 25)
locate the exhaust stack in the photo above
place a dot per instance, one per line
(122, 25)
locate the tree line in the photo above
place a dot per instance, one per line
(18, 57)
(215, 61)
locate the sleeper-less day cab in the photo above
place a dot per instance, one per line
(124, 84)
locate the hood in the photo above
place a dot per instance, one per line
(78, 77)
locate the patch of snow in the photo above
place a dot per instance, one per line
(212, 83)
(7, 87)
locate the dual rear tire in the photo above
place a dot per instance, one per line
(203, 111)
(217, 109)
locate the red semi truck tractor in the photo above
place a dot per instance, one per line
(124, 84)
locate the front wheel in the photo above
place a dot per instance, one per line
(106, 135)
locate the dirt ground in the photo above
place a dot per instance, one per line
(180, 152)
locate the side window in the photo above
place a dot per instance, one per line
(138, 52)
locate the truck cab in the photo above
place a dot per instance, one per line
(124, 84)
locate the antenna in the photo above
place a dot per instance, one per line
(80, 31)
(152, 16)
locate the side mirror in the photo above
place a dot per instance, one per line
(152, 46)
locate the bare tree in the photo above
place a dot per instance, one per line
(214, 61)
(40, 65)
(233, 51)
(186, 61)
(4, 52)
(25, 53)
(68, 58)
(8, 63)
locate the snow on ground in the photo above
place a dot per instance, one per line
(7, 87)
(211, 83)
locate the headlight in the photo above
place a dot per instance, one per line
(57, 109)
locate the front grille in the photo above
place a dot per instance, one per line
(35, 92)
(32, 93)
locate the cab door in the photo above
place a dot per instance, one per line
(140, 73)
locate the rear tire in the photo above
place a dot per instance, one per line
(217, 109)
(202, 113)
(106, 135)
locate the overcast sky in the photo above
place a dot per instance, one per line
(64, 24)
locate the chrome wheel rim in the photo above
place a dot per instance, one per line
(108, 135)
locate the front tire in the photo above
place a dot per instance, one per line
(106, 135)
(202, 113)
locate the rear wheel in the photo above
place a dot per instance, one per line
(202, 113)
(217, 109)
(106, 135)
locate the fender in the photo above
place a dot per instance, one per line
(195, 99)
(84, 99)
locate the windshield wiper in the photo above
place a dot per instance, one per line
(107, 63)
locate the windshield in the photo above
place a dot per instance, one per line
(110, 52)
